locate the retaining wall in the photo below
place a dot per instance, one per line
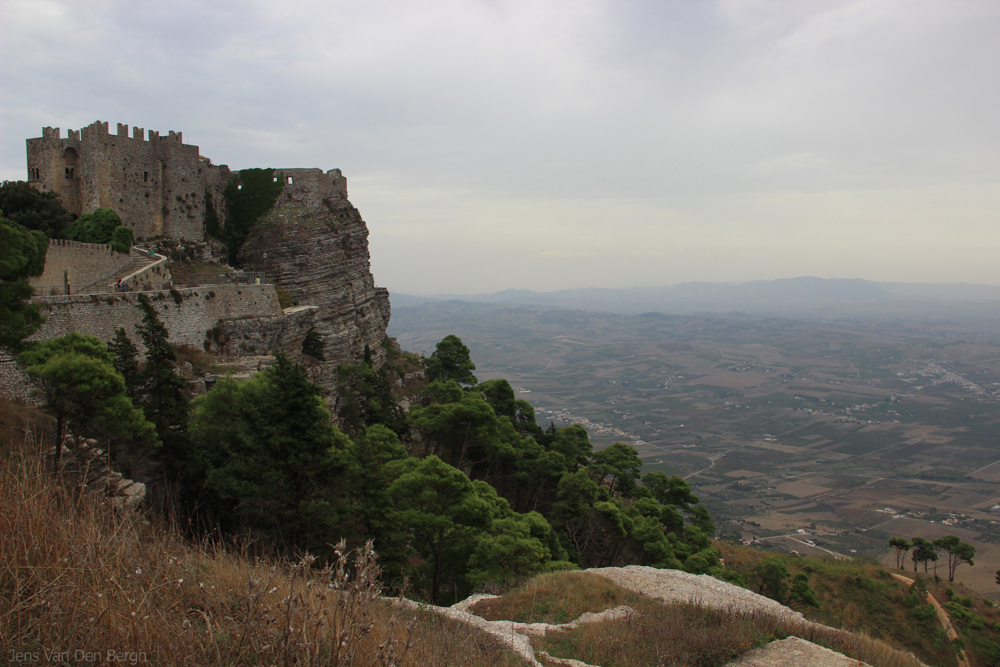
(199, 310)
(87, 264)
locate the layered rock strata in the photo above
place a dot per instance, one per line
(316, 249)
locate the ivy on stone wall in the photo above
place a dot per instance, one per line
(249, 195)
(211, 217)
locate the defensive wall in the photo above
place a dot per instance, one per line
(188, 314)
(310, 187)
(80, 265)
(156, 184)
(15, 384)
(230, 320)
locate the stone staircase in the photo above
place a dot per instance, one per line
(136, 278)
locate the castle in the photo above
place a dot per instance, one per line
(313, 243)
(156, 184)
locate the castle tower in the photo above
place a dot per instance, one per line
(157, 185)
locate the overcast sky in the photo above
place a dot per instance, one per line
(546, 145)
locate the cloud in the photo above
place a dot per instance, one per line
(725, 139)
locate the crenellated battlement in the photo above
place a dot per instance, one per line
(157, 184)
(100, 128)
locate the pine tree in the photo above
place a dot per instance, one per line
(164, 396)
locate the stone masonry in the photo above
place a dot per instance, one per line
(79, 265)
(157, 185)
(200, 310)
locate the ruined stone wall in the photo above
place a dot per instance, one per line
(157, 186)
(81, 264)
(200, 309)
(311, 187)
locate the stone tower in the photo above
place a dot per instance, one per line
(157, 185)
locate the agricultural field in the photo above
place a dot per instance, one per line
(806, 436)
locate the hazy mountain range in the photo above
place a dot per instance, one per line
(803, 297)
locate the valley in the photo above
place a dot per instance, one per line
(819, 437)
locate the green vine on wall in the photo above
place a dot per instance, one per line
(249, 195)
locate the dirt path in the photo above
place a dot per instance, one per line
(943, 618)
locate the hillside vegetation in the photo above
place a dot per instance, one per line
(862, 596)
(82, 583)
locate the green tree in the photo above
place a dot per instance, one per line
(466, 431)
(621, 463)
(375, 460)
(514, 547)
(901, 546)
(365, 398)
(163, 394)
(22, 254)
(801, 592)
(33, 209)
(771, 575)
(451, 360)
(270, 458)
(313, 344)
(573, 443)
(122, 239)
(958, 553)
(923, 552)
(126, 361)
(500, 395)
(96, 227)
(84, 391)
(670, 490)
(445, 513)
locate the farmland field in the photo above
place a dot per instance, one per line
(851, 431)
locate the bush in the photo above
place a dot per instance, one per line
(285, 299)
(122, 239)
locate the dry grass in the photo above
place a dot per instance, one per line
(77, 576)
(658, 633)
(556, 597)
(688, 634)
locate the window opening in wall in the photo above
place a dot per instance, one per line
(145, 177)
(275, 179)
(289, 180)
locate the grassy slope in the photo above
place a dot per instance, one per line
(76, 575)
(658, 633)
(861, 596)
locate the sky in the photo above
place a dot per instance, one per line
(545, 145)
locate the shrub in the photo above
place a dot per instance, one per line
(285, 299)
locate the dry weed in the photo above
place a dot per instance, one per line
(81, 579)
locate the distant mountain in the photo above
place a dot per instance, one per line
(792, 297)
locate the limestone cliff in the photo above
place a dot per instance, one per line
(314, 245)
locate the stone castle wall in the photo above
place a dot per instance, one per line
(82, 265)
(157, 185)
(15, 384)
(310, 187)
(200, 309)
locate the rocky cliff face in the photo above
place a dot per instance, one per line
(314, 245)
